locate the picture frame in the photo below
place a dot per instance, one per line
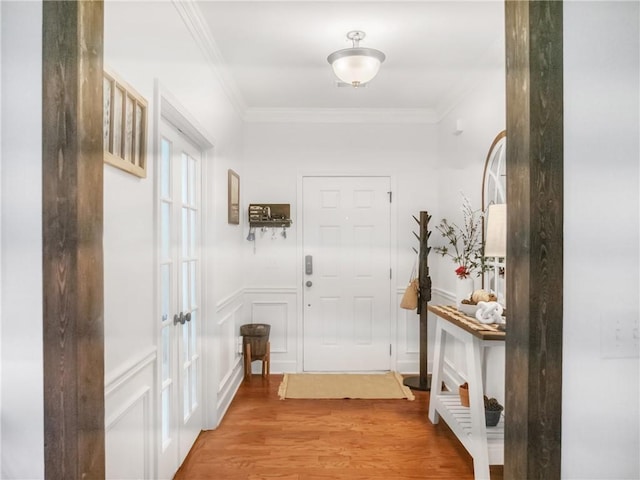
(233, 187)
(124, 125)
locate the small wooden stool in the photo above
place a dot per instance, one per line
(248, 358)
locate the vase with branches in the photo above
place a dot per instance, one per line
(464, 244)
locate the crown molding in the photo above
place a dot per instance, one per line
(341, 115)
(195, 22)
(197, 26)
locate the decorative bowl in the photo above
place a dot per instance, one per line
(468, 309)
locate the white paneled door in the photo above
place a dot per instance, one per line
(347, 270)
(179, 322)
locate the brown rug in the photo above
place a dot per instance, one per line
(343, 385)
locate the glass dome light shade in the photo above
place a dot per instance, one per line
(356, 66)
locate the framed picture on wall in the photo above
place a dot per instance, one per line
(234, 198)
(124, 126)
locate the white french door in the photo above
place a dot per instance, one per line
(179, 182)
(347, 285)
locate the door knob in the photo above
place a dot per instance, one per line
(181, 318)
(309, 283)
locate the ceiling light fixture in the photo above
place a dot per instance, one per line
(356, 66)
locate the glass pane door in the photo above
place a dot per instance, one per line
(179, 297)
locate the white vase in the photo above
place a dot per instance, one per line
(464, 289)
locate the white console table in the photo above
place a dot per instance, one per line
(484, 444)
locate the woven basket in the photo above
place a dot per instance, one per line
(256, 335)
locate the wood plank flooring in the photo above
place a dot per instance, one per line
(263, 437)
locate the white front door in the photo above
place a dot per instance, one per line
(346, 237)
(179, 324)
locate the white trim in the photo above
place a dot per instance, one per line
(270, 290)
(126, 372)
(447, 295)
(141, 395)
(229, 300)
(197, 25)
(228, 391)
(170, 108)
(285, 304)
(223, 383)
(229, 316)
(120, 412)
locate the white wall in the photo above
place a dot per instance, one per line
(600, 422)
(171, 55)
(22, 423)
(482, 115)
(277, 154)
(145, 42)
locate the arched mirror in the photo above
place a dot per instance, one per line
(494, 187)
(494, 199)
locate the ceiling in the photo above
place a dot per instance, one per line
(275, 52)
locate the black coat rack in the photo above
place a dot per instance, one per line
(423, 381)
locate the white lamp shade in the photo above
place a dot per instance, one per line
(356, 66)
(496, 235)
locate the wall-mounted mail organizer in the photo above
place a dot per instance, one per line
(270, 215)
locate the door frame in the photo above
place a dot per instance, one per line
(167, 107)
(393, 318)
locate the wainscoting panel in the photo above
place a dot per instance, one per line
(226, 355)
(273, 313)
(129, 413)
(408, 338)
(276, 307)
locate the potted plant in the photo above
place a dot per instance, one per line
(463, 390)
(492, 411)
(465, 247)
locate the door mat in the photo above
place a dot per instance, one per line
(343, 385)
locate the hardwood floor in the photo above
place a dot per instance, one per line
(263, 437)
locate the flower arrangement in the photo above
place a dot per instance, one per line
(464, 244)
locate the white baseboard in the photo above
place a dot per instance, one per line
(228, 391)
(408, 367)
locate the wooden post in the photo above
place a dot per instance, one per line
(72, 160)
(423, 381)
(534, 251)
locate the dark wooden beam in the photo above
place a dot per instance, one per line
(423, 381)
(534, 252)
(72, 162)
